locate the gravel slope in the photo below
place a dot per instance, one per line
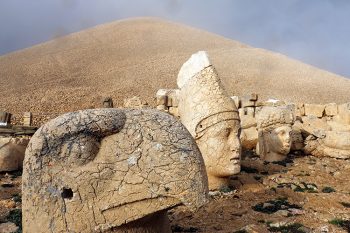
(137, 57)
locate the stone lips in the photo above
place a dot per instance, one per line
(138, 56)
(84, 169)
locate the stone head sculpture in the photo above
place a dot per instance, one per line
(102, 170)
(211, 117)
(274, 133)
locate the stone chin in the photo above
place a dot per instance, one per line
(227, 171)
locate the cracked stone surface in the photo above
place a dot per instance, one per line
(97, 170)
(211, 117)
(274, 133)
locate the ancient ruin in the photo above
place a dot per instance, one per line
(274, 133)
(110, 170)
(328, 131)
(211, 117)
(12, 153)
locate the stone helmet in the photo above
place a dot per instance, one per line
(97, 169)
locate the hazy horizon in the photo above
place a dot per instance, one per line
(315, 32)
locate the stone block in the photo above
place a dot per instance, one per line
(314, 110)
(174, 111)
(299, 109)
(331, 109)
(162, 100)
(249, 138)
(344, 113)
(27, 119)
(162, 108)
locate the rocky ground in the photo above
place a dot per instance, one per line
(301, 194)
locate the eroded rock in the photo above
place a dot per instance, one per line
(104, 170)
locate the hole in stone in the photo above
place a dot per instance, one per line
(67, 193)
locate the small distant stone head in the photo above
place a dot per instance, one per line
(211, 117)
(274, 133)
(97, 170)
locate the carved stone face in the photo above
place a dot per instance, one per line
(102, 168)
(221, 149)
(279, 140)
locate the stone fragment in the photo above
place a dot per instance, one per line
(27, 119)
(314, 110)
(174, 111)
(162, 108)
(98, 169)
(249, 138)
(12, 153)
(211, 117)
(134, 102)
(331, 109)
(344, 114)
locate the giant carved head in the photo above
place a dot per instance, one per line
(212, 118)
(274, 133)
(96, 169)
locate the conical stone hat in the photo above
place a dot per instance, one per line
(203, 102)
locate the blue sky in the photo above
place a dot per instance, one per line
(316, 32)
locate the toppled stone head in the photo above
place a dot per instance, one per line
(101, 169)
(211, 117)
(274, 133)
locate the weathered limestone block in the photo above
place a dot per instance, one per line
(250, 111)
(274, 133)
(343, 114)
(168, 97)
(12, 153)
(110, 170)
(211, 117)
(134, 102)
(163, 108)
(314, 110)
(334, 144)
(27, 119)
(249, 138)
(331, 109)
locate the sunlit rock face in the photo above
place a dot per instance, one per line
(274, 133)
(211, 117)
(110, 170)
